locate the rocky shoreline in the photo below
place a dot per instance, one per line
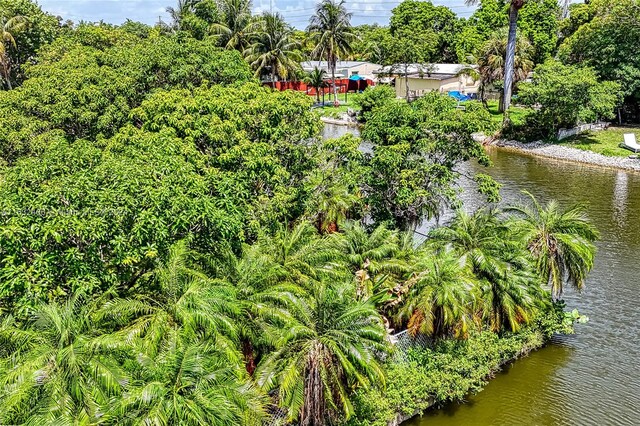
(564, 153)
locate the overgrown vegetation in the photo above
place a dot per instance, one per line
(178, 245)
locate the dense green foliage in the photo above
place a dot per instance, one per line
(561, 96)
(603, 36)
(179, 246)
(447, 371)
(416, 147)
(85, 86)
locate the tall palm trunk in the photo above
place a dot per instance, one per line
(509, 72)
(332, 65)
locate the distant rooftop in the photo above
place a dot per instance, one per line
(339, 64)
(435, 71)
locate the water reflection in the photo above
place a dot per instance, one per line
(620, 193)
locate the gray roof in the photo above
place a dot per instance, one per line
(339, 64)
(424, 69)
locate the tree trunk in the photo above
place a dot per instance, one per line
(511, 53)
(6, 71)
(333, 82)
(249, 357)
(406, 81)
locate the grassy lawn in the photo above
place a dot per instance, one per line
(517, 114)
(328, 110)
(605, 142)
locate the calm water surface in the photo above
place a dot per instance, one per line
(592, 378)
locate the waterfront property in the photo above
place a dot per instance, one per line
(424, 78)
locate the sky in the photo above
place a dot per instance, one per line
(296, 12)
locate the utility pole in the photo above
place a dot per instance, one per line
(271, 6)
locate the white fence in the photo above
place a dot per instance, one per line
(567, 133)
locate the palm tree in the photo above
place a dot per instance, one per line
(188, 382)
(178, 13)
(330, 202)
(330, 29)
(370, 257)
(56, 368)
(561, 241)
(315, 79)
(333, 346)
(441, 299)
(274, 49)
(265, 296)
(509, 63)
(502, 268)
(490, 59)
(302, 256)
(8, 28)
(237, 24)
(186, 303)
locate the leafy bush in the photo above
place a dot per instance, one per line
(564, 96)
(374, 97)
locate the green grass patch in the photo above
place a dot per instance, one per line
(517, 114)
(605, 142)
(329, 110)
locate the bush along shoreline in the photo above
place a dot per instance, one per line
(448, 370)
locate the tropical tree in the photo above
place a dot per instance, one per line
(509, 63)
(506, 282)
(300, 253)
(490, 59)
(368, 256)
(315, 79)
(178, 13)
(8, 28)
(441, 298)
(186, 303)
(56, 368)
(331, 31)
(273, 49)
(561, 241)
(236, 26)
(333, 347)
(189, 382)
(265, 296)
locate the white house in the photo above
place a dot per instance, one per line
(425, 78)
(345, 69)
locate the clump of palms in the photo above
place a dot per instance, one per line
(8, 28)
(560, 241)
(188, 382)
(441, 300)
(57, 368)
(490, 59)
(333, 346)
(331, 31)
(273, 49)
(370, 258)
(498, 262)
(186, 303)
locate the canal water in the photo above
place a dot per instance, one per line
(593, 377)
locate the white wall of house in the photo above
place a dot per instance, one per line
(422, 85)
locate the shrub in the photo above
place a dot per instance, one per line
(374, 97)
